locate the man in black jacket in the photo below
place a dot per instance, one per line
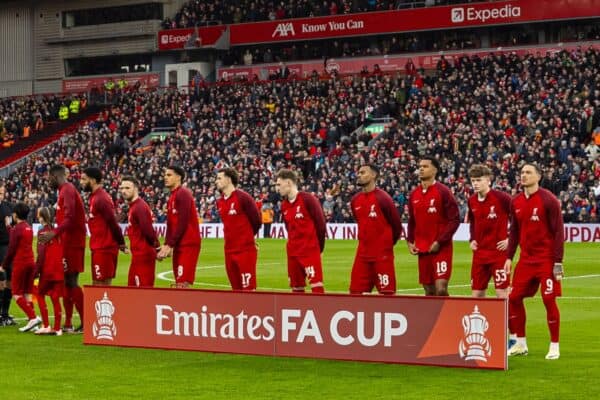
(5, 290)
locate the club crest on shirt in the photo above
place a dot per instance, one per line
(298, 213)
(372, 213)
(232, 209)
(534, 216)
(492, 214)
(432, 209)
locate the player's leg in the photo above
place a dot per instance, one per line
(56, 293)
(363, 276)
(501, 278)
(480, 276)
(73, 259)
(551, 289)
(296, 274)
(246, 265)
(524, 285)
(5, 292)
(426, 276)
(41, 300)
(385, 274)
(21, 287)
(233, 272)
(442, 261)
(313, 271)
(185, 260)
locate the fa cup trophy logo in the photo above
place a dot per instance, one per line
(104, 327)
(475, 345)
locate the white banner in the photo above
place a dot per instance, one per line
(573, 232)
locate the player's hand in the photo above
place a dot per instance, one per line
(45, 237)
(435, 247)
(473, 245)
(164, 252)
(507, 265)
(412, 249)
(502, 245)
(558, 271)
(124, 249)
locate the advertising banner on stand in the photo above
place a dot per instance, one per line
(450, 331)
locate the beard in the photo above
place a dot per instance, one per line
(87, 188)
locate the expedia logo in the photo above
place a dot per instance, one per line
(459, 14)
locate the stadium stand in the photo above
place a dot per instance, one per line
(500, 109)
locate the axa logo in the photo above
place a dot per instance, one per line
(284, 29)
(460, 14)
(457, 15)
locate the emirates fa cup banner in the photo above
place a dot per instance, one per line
(442, 331)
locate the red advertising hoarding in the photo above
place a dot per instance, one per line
(446, 17)
(85, 84)
(386, 63)
(451, 331)
(173, 39)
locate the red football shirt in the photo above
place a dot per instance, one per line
(432, 216)
(182, 219)
(379, 224)
(536, 225)
(142, 237)
(488, 221)
(50, 258)
(20, 250)
(105, 233)
(70, 216)
(305, 224)
(241, 221)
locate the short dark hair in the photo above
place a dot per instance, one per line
(94, 173)
(534, 165)
(58, 169)
(434, 161)
(479, 170)
(288, 174)
(231, 174)
(373, 168)
(130, 178)
(22, 210)
(46, 214)
(178, 170)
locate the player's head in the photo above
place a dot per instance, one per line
(481, 178)
(428, 168)
(174, 176)
(57, 176)
(531, 174)
(129, 188)
(287, 182)
(21, 211)
(226, 177)
(90, 178)
(44, 216)
(367, 175)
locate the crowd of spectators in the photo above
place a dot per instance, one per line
(22, 116)
(500, 109)
(215, 12)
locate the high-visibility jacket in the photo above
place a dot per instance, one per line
(63, 113)
(74, 106)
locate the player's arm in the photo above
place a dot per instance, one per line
(104, 208)
(452, 217)
(41, 256)
(513, 237)
(69, 210)
(144, 220)
(386, 204)
(504, 199)
(471, 221)
(250, 210)
(183, 203)
(410, 228)
(318, 217)
(555, 225)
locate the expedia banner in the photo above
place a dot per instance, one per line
(458, 332)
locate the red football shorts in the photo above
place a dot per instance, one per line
(485, 268)
(303, 268)
(104, 264)
(368, 273)
(530, 276)
(22, 279)
(185, 260)
(436, 266)
(73, 259)
(142, 270)
(241, 269)
(51, 288)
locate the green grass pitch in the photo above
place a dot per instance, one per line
(62, 368)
